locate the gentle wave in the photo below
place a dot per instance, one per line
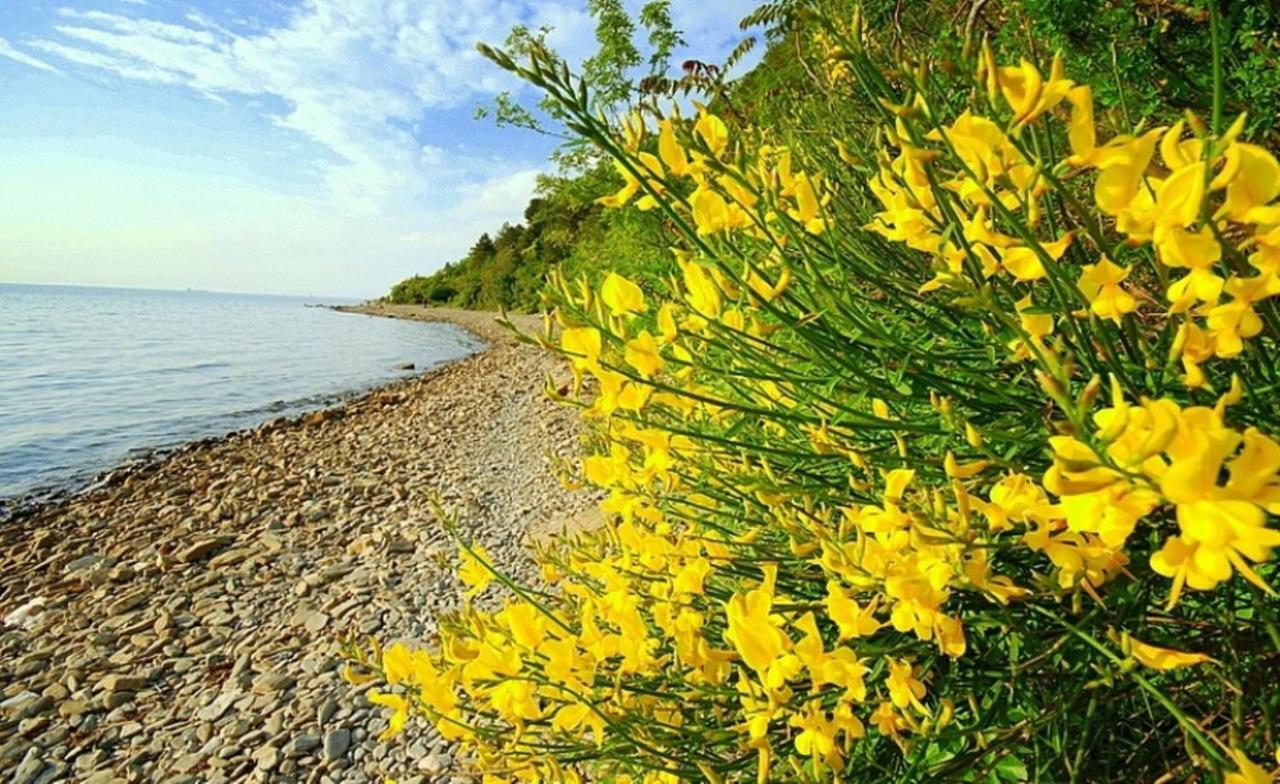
(92, 377)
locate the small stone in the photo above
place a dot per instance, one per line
(128, 603)
(399, 545)
(36, 707)
(241, 666)
(201, 549)
(119, 683)
(336, 744)
(57, 691)
(316, 622)
(303, 744)
(116, 699)
(326, 711)
(229, 558)
(83, 562)
(267, 758)
(90, 760)
(214, 710)
(188, 762)
(272, 681)
(434, 763)
(29, 768)
(18, 701)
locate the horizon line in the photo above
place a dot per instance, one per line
(134, 287)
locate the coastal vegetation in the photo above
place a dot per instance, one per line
(940, 443)
(1145, 60)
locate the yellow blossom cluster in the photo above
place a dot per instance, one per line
(808, 565)
(973, 194)
(724, 195)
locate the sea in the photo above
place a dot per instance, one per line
(91, 378)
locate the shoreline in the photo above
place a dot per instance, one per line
(15, 507)
(182, 623)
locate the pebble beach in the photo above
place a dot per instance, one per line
(182, 622)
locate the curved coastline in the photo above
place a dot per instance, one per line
(148, 452)
(182, 621)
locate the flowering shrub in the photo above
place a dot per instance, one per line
(947, 455)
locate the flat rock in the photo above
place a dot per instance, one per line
(83, 562)
(119, 683)
(272, 681)
(267, 758)
(304, 744)
(202, 549)
(336, 744)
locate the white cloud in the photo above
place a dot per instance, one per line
(7, 50)
(355, 78)
(352, 76)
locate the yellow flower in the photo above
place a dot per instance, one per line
(527, 623)
(854, 621)
(474, 571)
(1100, 284)
(1193, 345)
(1158, 658)
(1223, 528)
(1256, 181)
(808, 203)
(1247, 771)
(1231, 323)
(1026, 92)
(621, 296)
(570, 717)
(754, 634)
(515, 699)
(584, 344)
(400, 712)
(641, 353)
(1025, 263)
(817, 734)
(763, 289)
(710, 211)
(904, 688)
(713, 132)
(629, 187)
(887, 720)
(701, 291)
(1081, 135)
(1123, 164)
(397, 663)
(1178, 198)
(607, 470)
(669, 149)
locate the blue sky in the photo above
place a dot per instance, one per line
(323, 147)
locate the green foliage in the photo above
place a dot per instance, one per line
(1145, 59)
(563, 228)
(608, 68)
(663, 36)
(1150, 59)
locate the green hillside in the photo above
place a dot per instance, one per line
(1159, 73)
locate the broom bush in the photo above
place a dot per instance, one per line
(946, 454)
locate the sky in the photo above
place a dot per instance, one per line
(313, 147)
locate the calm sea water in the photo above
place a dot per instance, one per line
(90, 377)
